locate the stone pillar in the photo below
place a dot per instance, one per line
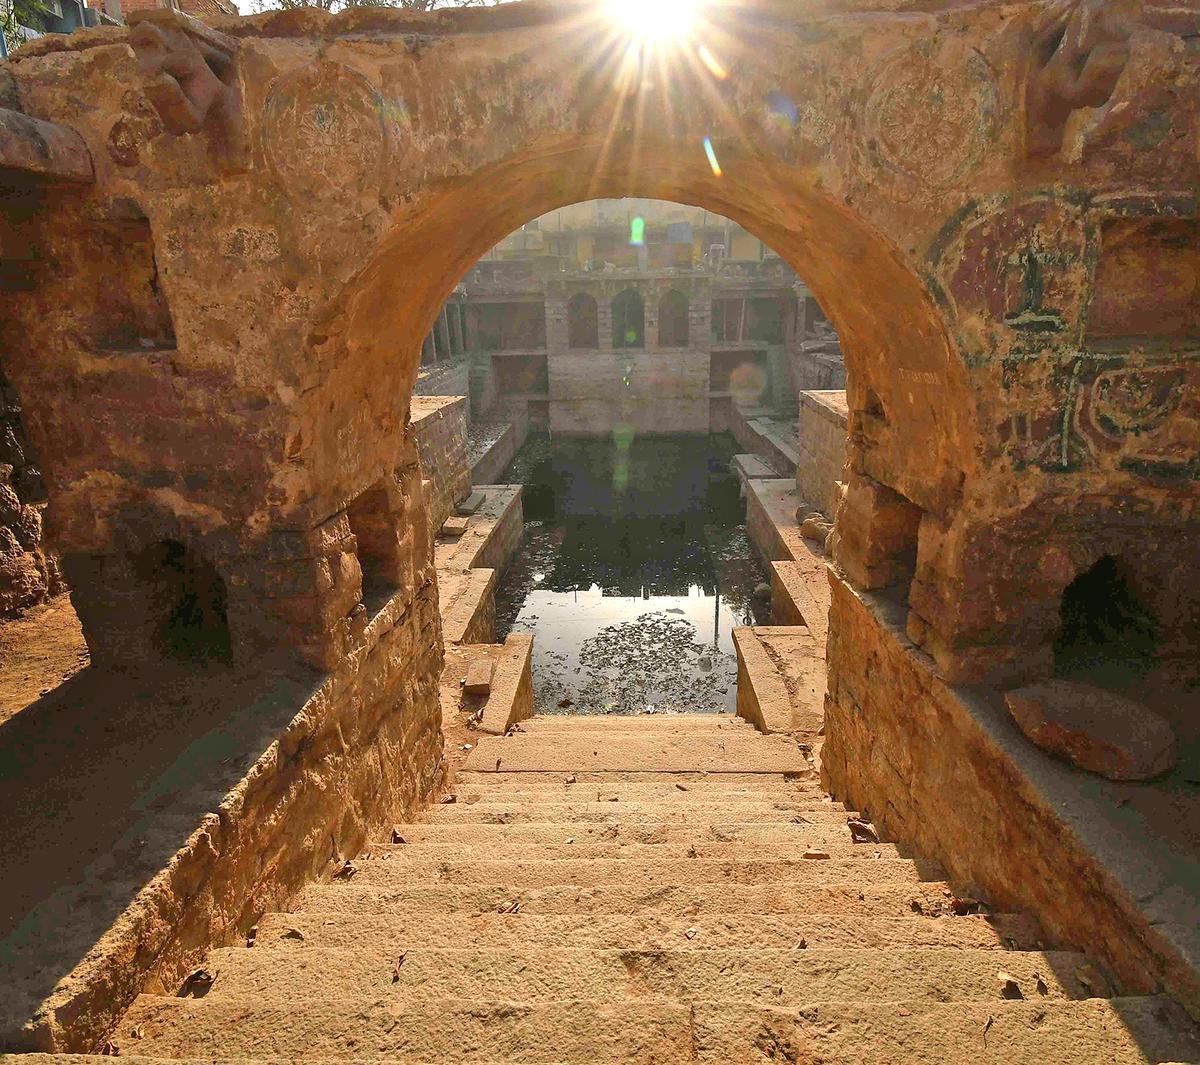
(557, 324)
(470, 328)
(442, 336)
(428, 350)
(456, 329)
(604, 322)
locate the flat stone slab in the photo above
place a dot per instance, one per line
(751, 466)
(800, 595)
(781, 679)
(1095, 729)
(471, 504)
(454, 525)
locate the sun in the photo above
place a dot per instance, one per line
(654, 21)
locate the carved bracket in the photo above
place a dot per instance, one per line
(1082, 50)
(191, 79)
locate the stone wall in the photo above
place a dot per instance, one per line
(445, 379)
(360, 747)
(821, 442)
(945, 771)
(652, 393)
(27, 574)
(441, 427)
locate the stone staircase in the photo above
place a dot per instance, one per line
(649, 890)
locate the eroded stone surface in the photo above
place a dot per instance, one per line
(1096, 729)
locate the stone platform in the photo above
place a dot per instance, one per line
(468, 565)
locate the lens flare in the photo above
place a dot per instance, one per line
(654, 20)
(712, 63)
(711, 152)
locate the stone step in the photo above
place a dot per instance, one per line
(653, 723)
(266, 975)
(848, 898)
(827, 831)
(381, 935)
(615, 778)
(1089, 1032)
(532, 789)
(632, 871)
(780, 813)
(806, 845)
(572, 752)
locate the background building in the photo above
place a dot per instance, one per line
(649, 314)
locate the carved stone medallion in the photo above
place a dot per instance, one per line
(927, 120)
(324, 132)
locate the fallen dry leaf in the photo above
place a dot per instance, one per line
(861, 832)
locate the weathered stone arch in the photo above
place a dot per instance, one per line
(336, 176)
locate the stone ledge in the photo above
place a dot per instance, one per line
(800, 596)
(781, 679)
(315, 763)
(946, 772)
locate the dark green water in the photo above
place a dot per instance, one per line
(634, 569)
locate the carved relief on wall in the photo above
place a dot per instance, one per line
(928, 119)
(324, 132)
(1099, 68)
(190, 76)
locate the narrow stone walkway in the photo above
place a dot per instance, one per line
(646, 890)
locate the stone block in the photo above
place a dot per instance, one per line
(454, 526)
(470, 505)
(479, 677)
(1095, 729)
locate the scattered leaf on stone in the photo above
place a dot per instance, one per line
(198, 984)
(692, 933)
(252, 936)
(511, 907)
(346, 870)
(448, 799)
(396, 967)
(797, 819)
(861, 832)
(396, 837)
(293, 933)
(110, 1049)
(682, 787)
(571, 839)
(987, 1027)
(802, 945)
(1042, 988)
(570, 779)
(136, 1032)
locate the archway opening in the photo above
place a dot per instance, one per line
(673, 320)
(628, 320)
(643, 439)
(186, 603)
(1106, 634)
(583, 322)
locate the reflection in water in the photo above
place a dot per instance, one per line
(634, 570)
